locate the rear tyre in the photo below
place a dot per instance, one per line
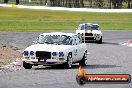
(27, 65)
(83, 61)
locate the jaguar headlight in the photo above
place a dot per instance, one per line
(32, 53)
(61, 54)
(26, 53)
(54, 53)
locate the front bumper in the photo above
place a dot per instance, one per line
(46, 62)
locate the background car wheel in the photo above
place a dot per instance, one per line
(27, 65)
(83, 61)
(68, 64)
(100, 41)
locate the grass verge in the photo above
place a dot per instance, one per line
(8, 54)
(13, 19)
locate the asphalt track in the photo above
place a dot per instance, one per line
(109, 57)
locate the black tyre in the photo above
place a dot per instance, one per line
(100, 41)
(83, 61)
(81, 80)
(68, 64)
(27, 65)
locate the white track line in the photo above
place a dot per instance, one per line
(127, 43)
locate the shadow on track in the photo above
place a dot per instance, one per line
(60, 67)
(100, 66)
(110, 43)
(56, 67)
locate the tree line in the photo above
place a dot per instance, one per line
(92, 3)
(116, 4)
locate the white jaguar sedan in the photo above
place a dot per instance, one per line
(55, 48)
(89, 32)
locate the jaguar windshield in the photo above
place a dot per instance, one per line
(54, 39)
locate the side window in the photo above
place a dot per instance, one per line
(73, 42)
(77, 40)
(68, 41)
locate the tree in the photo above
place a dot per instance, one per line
(17, 2)
(129, 4)
(99, 3)
(82, 3)
(90, 3)
(40, 1)
(117, 3)
(5, 1)
(110, 4)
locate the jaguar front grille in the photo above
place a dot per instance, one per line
(43, 55)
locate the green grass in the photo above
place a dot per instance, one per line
(12, 19)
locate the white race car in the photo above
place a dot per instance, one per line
(89, 32)
(55, 48)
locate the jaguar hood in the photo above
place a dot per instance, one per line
(47, 47)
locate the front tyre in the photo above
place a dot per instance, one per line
(68, 64)
(83, 61)
(27, 65)
(100, 41)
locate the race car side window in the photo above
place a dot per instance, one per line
(40, 39)
(77, 40)
(68, 41)
(73, 40)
